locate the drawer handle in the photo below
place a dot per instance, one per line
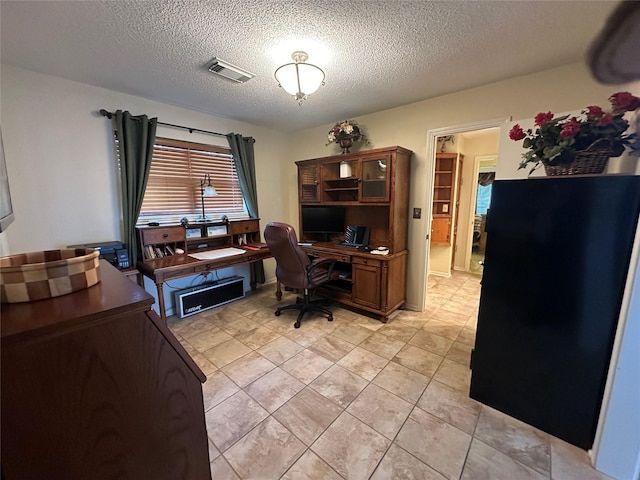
(364, 261)
(165, 235)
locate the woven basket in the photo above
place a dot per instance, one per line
(590, 161)
(27, 277)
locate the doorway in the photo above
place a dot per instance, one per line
(485, 172)
(466, 141)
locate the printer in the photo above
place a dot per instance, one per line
(113, 252)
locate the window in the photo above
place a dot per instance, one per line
(483, 199)
(173, 189)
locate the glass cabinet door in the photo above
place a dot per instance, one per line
(375, 180)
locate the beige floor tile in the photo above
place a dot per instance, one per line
(397, 464)
(369, 323)
(442, 329)
(266, 452)
(398, 331)
(431, 342)
(520, 441)
(449, 313)
(382, 345)
(306, 366)
(308, 414)
(238, 326)
(454, 374)
(339, 385)
(257, 337)
(440, 445)
(311, 467)
(487, 463)
(352, 333)
(451, 405)
(274, 389)
(229, 421)
(401, 381)
(462, 309)
(248, 368)
(204, 363)
(351, 448)
(306, 336)
(467, 336)
(381, 410)
(331, 347)
(226, 352)
(262, 315)
(213, 451)
(363, 363)
(437, 298)
(418, 360)
(569, 462)
(281, 325)
(209, 339)
(280, 350)
(459, 353)
(221, 470)
(216, 389)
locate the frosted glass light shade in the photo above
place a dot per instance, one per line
(209, 191)
(299, 79)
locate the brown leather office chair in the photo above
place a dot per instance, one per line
(295, 270)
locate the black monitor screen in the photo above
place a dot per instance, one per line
(322, 219)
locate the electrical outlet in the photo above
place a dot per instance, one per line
(445, 208)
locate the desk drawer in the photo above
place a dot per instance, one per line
(322, 254)
(372, 262)
(244, 226)
(163, 235)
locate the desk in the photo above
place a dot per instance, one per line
(162, 269)
(375, 283)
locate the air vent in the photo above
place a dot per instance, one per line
(227, 70)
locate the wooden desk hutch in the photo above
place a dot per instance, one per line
(375, 195)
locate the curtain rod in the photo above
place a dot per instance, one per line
(109, 115)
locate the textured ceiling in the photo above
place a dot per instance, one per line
(376, 54)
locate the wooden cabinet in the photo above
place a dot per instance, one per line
(95, 386)
(164, 241)
(373, 189)
(444, 197)
(309, 183)
(366, 282)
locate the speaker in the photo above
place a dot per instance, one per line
(204, 297)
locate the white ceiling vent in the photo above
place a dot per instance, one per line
(227, 70)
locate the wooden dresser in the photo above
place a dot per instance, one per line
(95, 386)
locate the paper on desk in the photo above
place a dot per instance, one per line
(219, 253)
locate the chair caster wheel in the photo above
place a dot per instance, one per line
(296, 325)
(330, 318)
(278, 313)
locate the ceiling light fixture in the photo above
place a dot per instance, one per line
(300, 78)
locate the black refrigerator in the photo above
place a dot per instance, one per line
(556, 263)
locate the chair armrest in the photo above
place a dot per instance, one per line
(324, 263)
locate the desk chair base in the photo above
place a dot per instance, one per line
(307, 305)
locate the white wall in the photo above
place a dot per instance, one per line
(61, 161)
(562, 89)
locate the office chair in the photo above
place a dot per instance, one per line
(295, 270)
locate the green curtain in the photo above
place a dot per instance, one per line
(244, 159)
(136, 136)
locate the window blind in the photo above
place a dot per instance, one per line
(173, 189)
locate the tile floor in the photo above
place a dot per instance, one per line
(359, 399)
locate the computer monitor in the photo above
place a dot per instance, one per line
(322, 220)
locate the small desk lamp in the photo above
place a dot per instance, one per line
(206, 191)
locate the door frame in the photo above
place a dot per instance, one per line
(432, 145)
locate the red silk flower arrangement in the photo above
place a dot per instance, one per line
(556, 140)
